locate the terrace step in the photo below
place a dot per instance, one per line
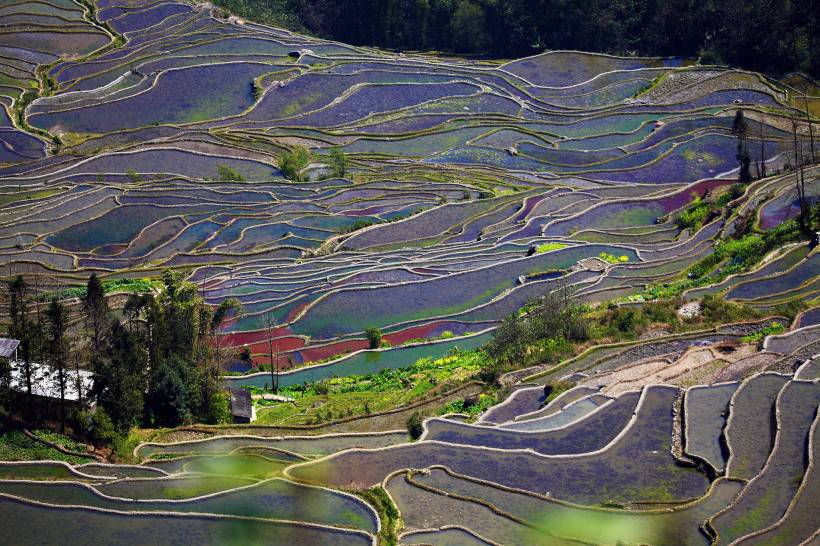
(521, 401)
(751, 426)
(572, 412)
(618, 473)
(271, 499)
(559, 403)
(704, 413)
(765, 499)
(802, 517)
(589, 434)
(673, 525)
(70, 525)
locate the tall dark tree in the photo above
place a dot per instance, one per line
(773, 36)
(97, 319)
(185, 349)
(19, 327)
(122, 377)
(269, 322)
(27, 329)
(740, 128)
(212, 352)
(803, 218)
(58, 351)
(810, 123)
(173, 393)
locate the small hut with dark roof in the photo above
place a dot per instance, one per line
(8, 348)
(242, 409)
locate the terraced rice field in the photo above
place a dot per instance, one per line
(141, 135)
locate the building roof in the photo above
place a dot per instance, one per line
(7, 347)
(44, 381)
(241, 404)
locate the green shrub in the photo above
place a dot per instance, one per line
(292, 163)
(321, 388)
(694, 216)
(16, 446)
(554, 389)
(102, 431)
(714, 309)
(338, 162)
(414, 426)
(358, 224)
(219, 408)
(135, 177)
(612, 259)
(772, 329)
(374, 337)
(547, 247)
(227, 174)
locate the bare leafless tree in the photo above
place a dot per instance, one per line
(761, 170)
(811, 127)
(269, 320)
(800, 180)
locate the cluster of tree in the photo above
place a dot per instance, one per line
(542, 324)
(157, 364)
(803, 154)
(770, 36)
(293, 163)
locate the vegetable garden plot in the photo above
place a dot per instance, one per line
(71, 526)
(704, 410)
(677, 525)
(766, 497)
(617, 473)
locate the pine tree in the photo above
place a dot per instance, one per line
(122, 378)
(25, 330)
(97, 319)
(58, 350)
